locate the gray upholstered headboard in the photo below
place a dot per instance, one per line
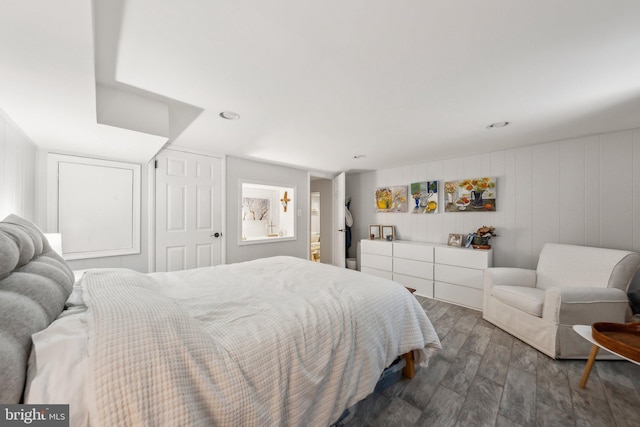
(35, 282)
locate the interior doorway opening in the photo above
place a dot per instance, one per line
(321, 212)
(315, 226)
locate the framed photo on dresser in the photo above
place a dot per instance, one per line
(455, 240)
(388, 232)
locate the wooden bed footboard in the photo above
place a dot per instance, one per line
(409, 369)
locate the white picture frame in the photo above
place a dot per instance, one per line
(455, 240)
(388, 232)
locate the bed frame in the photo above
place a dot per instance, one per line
(409, 369)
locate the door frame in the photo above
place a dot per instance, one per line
(339, 251)
(151, 211)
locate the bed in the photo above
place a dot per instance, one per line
(274, 341)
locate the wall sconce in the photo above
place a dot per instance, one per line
(285, 200)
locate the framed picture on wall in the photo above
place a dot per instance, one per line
(425, 197)
(391, 199)
(374, 232)
(388, 232)
(471, 195)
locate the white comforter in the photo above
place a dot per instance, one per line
(276, 341)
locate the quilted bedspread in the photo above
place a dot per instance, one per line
(275, 341)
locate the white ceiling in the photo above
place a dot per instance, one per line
(318, 82)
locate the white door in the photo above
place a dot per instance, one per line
(339, 229)
(188, 211)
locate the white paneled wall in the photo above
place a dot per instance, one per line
(17, 171)
(583, 191)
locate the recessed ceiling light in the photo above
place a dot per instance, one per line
(497, 125)
(230, 115)
(359, 156)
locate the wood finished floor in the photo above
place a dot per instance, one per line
(486, 377)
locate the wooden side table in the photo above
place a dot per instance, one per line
(585, 332)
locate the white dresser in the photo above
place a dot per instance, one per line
(458, 274)
(376, 257)
(434, 270)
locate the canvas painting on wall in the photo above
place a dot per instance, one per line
(255, 209)
(425, 197)
(470, 195)
(391, 199)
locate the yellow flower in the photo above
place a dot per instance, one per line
(477, 184)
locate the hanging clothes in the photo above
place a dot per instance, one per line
(348, 222)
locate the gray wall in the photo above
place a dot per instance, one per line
(242, 169)
(583, 191)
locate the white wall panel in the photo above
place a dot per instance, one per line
(17, 171)
(545, 195)
(12, 175)
(505, 251)
(95, 205)
(571, 186)
(616, 197)
(592, 166)
(497, 218)
(523, 207)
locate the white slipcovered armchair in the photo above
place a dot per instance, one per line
(571, 285)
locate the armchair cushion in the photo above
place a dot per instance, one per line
(529, 300)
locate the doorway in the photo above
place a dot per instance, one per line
(315, 227)
(321, 211)
(331, 218)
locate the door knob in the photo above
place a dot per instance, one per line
(216, 235)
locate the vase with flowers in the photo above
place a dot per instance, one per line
(383, 198)
(477, 187)
(450, 189)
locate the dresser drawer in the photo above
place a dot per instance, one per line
(458, 294)
(379, 262)
(465, 257)
(376, 247)
(413, 268)
(469, 277)
(423, 287)
(418, 252)
(376, 272)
